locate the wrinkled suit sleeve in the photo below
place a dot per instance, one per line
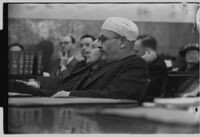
(129, 83)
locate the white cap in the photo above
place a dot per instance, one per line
(122, 26)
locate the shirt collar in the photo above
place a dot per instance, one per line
(70, 59)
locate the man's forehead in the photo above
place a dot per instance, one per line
(86, 40)
(192, 51)
(66, 38)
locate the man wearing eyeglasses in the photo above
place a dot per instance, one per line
(124, 75)
(121, 74)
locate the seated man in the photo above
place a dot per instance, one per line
(123, 75)
(85, 46)
(47, 85)
(145, 46)
(66, 61)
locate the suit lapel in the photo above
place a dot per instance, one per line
(78, 71)
(71, 64)
(98, 74)
(81, 80)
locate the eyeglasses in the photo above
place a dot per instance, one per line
(103, 39)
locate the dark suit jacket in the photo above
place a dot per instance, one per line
(125, 79)
(72, 66)
(49, 85)
(47, 48)
(187, 85)
(158, 76)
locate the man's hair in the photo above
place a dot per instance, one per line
(73, 40)
(88, 36)
(148, 41)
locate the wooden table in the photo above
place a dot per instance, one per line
(68, 119)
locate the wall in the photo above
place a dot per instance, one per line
(171, 24)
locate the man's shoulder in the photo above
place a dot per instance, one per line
(159, 62)
(135, 60)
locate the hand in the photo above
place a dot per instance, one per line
(46, 74)
(32, 83)
(62, 67)
(63, 64)
(61, 93)
(149, 56)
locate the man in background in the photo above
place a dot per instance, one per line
(146, 46)
(85, 44)
(67, 61)
(73, 63)
(45, 46)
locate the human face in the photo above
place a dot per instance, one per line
(94, 53)
(110, 44)
(192, 56)
(65, 43)
(85, 45)
(138, 48)
(43, 30)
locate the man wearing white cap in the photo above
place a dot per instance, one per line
(118, 36)
(123, 76)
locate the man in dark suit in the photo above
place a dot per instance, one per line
(121, 75)
(146, 46)
(124, 75)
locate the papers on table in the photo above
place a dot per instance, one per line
(177, 102)
(166, 110)
(39, 101)
(11, 94)
(156, 114)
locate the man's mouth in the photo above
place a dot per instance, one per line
(102, 51)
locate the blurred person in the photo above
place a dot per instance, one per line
(191, 56)
(46, 47)
(94, 53)
(145, 47)
(188, 59)
(85, 44)
(73, 62)
(190, 88)
(67, 61)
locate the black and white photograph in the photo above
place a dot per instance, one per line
(102, 67)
